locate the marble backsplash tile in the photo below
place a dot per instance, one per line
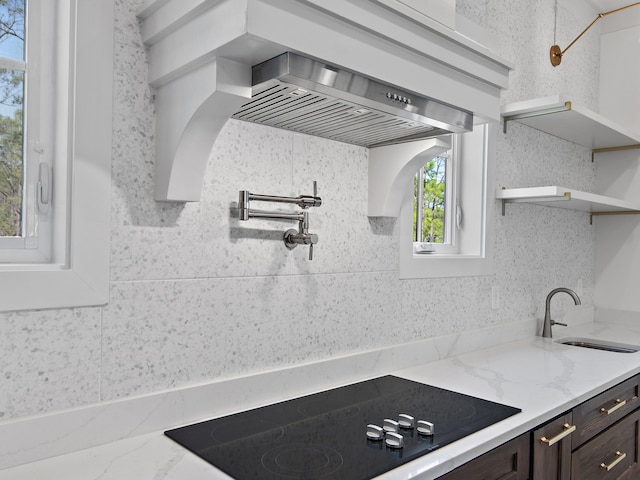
(165, 334)
(49, 360)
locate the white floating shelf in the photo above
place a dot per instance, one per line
(561, 197)
(558, 116)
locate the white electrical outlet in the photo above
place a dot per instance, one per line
(579, 288)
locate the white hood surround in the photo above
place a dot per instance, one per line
(201, 53)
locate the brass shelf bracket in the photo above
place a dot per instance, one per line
(596, 214)
(536, 113)
(612, 149)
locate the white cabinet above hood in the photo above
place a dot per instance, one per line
(201, 54)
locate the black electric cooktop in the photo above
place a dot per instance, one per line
(324, 435)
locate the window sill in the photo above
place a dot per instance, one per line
(442, 265)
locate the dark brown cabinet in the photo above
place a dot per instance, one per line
(597, 440)
(509, 461)
(551, 449)
(611, 454)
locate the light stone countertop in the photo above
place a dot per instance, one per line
(539, 376)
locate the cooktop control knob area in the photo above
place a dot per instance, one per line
(390, 425)
(426, 428)
(374, 432)
(406, 421)
(394, 440)
(392, 432)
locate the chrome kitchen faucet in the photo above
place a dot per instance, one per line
(548, 322)
(292, 237)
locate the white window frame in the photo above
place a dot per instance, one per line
(450, 244)
(475, 235)
(78, 274)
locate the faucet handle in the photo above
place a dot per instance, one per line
(307, 201)
(313, 239)
(553, 322)
(293, 238)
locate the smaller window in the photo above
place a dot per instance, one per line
(452, 245)
(434, 204)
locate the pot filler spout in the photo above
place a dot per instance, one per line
(310, 96)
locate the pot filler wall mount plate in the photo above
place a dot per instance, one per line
(354, 432)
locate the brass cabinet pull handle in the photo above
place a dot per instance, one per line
(568, 430)
(620, 456)
(619, 404)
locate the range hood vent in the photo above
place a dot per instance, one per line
(388, 74)
(308, 96)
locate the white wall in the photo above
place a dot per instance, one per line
(618, 175)
(620, 76)
(197, 296)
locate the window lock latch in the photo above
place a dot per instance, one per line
(43, 188)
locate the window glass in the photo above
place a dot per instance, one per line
(435, 202)
(429, 193)
(11, 153)
(12, 78)
(12, 29)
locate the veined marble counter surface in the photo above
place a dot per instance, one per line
(541, 376)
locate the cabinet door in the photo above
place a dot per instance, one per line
(509, 461)
(551, 449)
(613, 454)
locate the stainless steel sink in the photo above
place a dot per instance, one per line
(600, 345)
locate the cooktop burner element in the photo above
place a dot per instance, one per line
(302, 461)
(331, 435)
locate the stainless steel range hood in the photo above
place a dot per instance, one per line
(201, 57)
(309, 96)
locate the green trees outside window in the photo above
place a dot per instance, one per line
(429, 202)
(12, 77)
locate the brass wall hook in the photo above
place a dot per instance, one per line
(556, 53)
